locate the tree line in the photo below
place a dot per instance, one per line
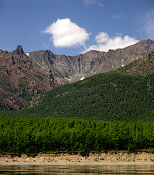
(36, 134)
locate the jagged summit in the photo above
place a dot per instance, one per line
(19, 50)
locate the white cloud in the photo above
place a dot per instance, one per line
(149, 24)
(117, 16)
(102, 37)
(93, 2)
(65, 33)
(105, 42)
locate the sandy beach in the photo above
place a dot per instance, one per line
(77, 159)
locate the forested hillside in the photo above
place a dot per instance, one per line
(109, 96)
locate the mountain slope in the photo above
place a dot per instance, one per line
(108, 96)
(143, 66)
(24, 76)
(20, 80)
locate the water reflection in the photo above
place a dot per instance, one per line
(77, 169)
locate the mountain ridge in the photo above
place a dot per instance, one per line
(24, 76)
(93, 62)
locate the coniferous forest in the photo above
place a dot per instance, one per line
(110, 97)
(35, 135)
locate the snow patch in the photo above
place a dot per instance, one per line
(82, 78)
(68, 79)
(40, 65)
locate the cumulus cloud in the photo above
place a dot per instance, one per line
(65, 33)
(104, 42)
(102, 37)
(93, 2)
(149, 24)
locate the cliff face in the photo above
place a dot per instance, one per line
(74, 68)
(20, 80)
(23, 76)
(143, 66)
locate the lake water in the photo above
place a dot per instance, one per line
(76, 169)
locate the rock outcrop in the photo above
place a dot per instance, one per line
(19, 50)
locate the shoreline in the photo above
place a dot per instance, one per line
(73, 163)
(109, 158)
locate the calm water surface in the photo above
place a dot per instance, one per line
(77, 169)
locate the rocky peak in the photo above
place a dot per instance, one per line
(149, 41)
(19, 50)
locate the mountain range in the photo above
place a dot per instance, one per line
(24, 76)
(126, 94)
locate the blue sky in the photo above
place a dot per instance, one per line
(74, 26)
